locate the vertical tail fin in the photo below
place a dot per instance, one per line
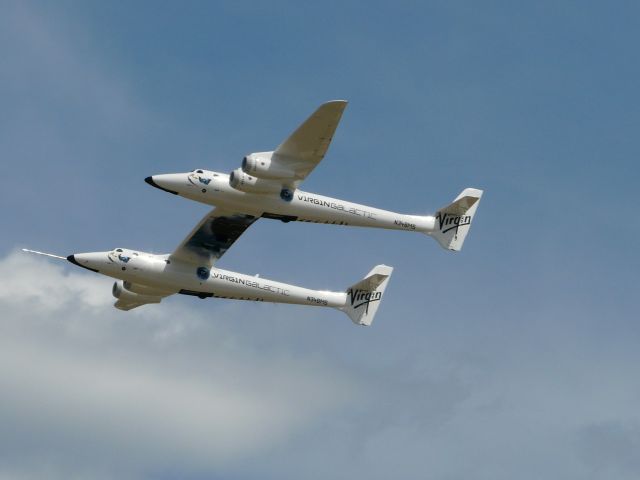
(452, 223)
(363, 298)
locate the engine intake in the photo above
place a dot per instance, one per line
(250, 184)
(264, 165)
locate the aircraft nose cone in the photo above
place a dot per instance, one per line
(72, 259)
(154, 183)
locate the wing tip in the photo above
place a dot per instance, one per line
(333, 109)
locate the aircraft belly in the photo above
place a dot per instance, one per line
(233, 285)
(336, 212)
(310, 207)
(317, 209)
(226, 284)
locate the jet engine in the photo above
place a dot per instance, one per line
(121, 290)
(263, 165)
(247, 183)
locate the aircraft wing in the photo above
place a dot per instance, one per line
(306, 147)
(212, 237)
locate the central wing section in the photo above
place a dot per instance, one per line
(212, 237)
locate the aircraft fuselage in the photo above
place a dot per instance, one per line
(157, 274)
(214, 189)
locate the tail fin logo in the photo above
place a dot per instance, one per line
(358, 297)
(447, 222)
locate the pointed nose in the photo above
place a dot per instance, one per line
(83, 261)
(161, 182)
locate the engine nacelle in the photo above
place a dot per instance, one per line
(264, 165)
(143, 289)
(250, 184)
(121, 292)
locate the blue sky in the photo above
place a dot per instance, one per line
(515, 358)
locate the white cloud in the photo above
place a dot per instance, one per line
(84, 384)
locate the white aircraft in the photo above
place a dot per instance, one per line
(147, 278)
(267, 186)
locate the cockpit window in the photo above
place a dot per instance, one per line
(198, 176)
(118, 250)
(124, 258)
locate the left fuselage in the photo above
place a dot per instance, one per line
(214, 188)
(166, 276)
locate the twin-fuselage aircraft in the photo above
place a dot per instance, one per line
(266, 186)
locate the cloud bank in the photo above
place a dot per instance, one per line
(179, 391)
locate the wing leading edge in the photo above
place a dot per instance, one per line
(308, 144)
